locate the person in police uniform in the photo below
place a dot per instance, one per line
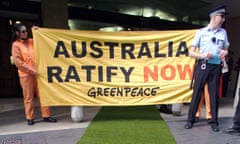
(212, 45)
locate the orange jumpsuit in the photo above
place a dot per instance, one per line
(23, 56)
(205, 96)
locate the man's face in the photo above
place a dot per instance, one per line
(219, 18)
(23, 34)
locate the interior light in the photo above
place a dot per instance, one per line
(112, 29)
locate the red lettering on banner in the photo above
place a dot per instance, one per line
(148, 71)
(168, 72)
(184, 71)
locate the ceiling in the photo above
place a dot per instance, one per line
(232, 6)
(188, 11)
(175, 10)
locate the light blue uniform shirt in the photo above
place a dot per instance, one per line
(211, 41)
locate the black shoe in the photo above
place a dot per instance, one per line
(50, 119)
(188, 125)
(215, 128)
(30, 122)
(232, 131)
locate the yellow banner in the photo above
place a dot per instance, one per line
(94, 68)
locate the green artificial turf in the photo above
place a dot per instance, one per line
(128, 125)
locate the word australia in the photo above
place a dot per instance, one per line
(96, 49)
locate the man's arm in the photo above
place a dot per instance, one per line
(194, 54)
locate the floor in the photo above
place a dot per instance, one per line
(15, 130)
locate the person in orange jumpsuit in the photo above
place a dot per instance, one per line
(205, 96)
(23, 56)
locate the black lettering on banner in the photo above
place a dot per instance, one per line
(125, 91)
(156, 50)
(154, 91)
(75, 50)
(127, 73)
(95, 46)
(106, 91)
(99, 91)
(144, 51)
(92, 92)
(119, 92)
(112, 92)
(147, 92)
(100, 74)
(110, 72)
(72, 74)
(128, 51)
(134, 92)
(112, 46)
(182, 49)
(54, 71)
(170, 49)
(140, 92)
(88, 71)
(61, 50)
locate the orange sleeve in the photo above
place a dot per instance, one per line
(19, 60)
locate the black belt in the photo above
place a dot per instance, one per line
(205, 61)
(202, 61)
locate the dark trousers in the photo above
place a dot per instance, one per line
(225, 81)
(236, 118)
(211, 75)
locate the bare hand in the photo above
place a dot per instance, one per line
(209, 55)
(35, 27)
(206, 56)
(223, 53)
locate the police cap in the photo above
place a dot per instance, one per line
(221, 10)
